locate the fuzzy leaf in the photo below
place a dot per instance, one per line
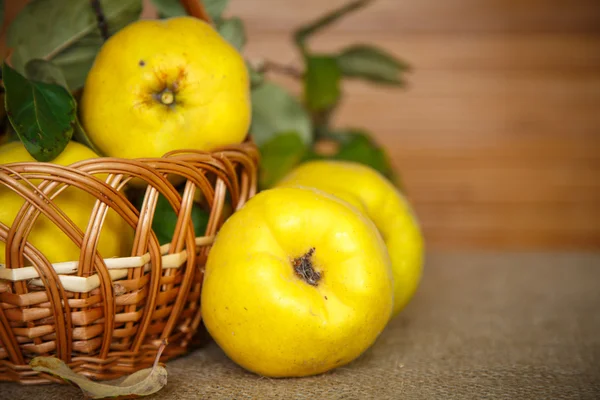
(45, 71)
(278, 156)
(274, 111)
(233, 31)
(304, 32)
(372, 64)
(215, 8)
(169, 8)
(321, 82)
(66, 33)
(141, 383)
(42, 114)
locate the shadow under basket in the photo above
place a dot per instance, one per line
(106, 318)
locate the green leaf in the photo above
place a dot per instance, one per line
(278, 156)
(359, 146)
(215, 8)
(233, 31)
(66, 33)
(321, 82)
(165, 219)
(76, 62)
(274, 111)
(304, 32)
(256, 77)
(47, 72)
(372, 64)
(169, 8)
(42, 114)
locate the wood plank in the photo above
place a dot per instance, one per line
(464, 16)
(496, 152)
(508, 52)
(495, 239)
(499, 182)
(510, 219)
(468, 110)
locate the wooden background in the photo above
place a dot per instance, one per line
(498, 135)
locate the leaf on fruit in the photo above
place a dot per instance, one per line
(66, 33)
(278, 156)
(372, 64)
(304, 32)
(45, 71)
(233, 31)
(321, 82)
(42, 114)
(141, 383)
(274, 111)
(165, 219)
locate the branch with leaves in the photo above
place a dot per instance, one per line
(48, 67)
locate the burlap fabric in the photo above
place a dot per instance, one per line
(494, 326)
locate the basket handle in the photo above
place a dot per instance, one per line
(195, 8)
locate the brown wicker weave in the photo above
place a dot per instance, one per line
(107, 317)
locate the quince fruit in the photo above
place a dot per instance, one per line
(163, 85)
(116, 237)
(391, 212)
(298, 282)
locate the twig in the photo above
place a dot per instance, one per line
(195, 8)
(266, 66)
(304, 32)
(102, 24)
(162, 346)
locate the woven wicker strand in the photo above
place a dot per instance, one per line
(107, 317)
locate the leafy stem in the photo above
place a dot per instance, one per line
(302, 34)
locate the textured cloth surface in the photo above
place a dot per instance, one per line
(486, 325)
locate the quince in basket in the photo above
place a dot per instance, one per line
(116, 237)
(163, 85)
(298, 282)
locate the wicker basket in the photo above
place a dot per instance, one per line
(107, 317)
